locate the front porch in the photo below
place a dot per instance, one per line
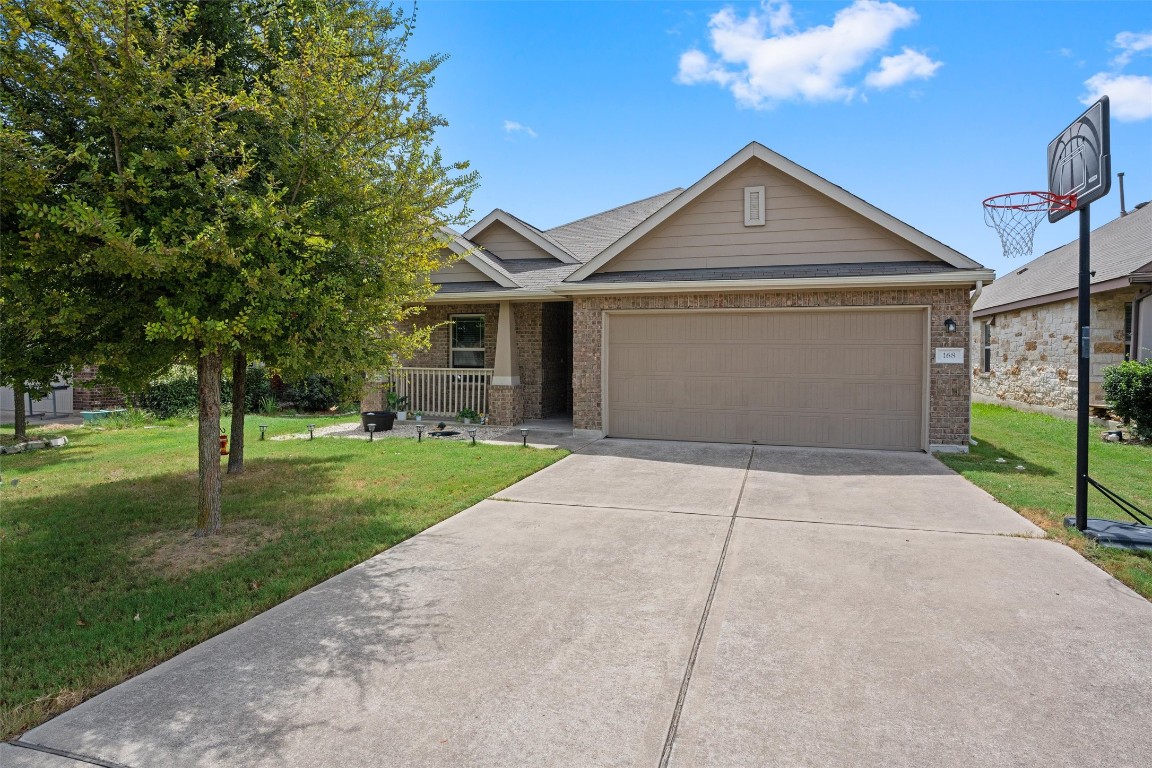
(525, 349)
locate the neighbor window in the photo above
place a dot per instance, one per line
(1128, 331)
(987, 339)
(467, 341)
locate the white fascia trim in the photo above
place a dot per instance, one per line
(470, 253)
(800, 174)
(486, 297)
(966, 277)
(538, 239)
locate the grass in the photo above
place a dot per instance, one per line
(102, 579)
(1044, 492)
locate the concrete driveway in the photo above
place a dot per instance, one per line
(652, 604)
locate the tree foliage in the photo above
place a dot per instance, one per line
(242, 177)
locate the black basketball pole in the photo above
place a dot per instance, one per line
(1083, 369)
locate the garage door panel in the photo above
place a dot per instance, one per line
(810, 378)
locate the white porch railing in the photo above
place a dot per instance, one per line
(441, 391)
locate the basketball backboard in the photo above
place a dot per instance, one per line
(1079, 161)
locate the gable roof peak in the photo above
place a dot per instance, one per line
(530, 233)
(797, 173)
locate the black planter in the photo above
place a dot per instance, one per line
(382, 419)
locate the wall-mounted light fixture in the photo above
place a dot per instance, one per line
(950, 325)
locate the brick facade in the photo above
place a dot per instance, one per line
(90, 397)
(949, 385)
(1034, 351)
(538, 353)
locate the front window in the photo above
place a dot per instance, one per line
(987, 346)
(467, 341)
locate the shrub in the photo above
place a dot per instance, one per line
(1128, 387)
(315, 392)
(176, 392)
(173, 394)
(258, 390)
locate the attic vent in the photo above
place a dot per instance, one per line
(754, 206)
(1022, 271)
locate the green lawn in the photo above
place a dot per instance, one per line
(1044, 491)
(101, 578)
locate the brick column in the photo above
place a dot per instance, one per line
(505, 404)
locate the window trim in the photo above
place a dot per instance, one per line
(453, 349)
(1129, 323)
(986, 342)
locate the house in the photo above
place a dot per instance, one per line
(1025, 343)
(80, 394)
(762, 304)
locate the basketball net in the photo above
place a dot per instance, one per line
(1016, 215)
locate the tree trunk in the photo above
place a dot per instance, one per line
(20, 420)
(208, 371)
(239, 384)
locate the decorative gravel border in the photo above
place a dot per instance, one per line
(402, 429)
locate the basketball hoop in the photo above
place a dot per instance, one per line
(1016, 215)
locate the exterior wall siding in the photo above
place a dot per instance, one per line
(949, 384)
(1034, 351)
(500, 240)
(802, 227)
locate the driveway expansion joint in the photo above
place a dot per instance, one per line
(574, 505)
(993, 534)
(674, 725)
(87, 760)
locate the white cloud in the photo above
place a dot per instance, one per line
(511, 127)
(763, 58)
(1129, 96)
(899, 69)
(1130, 44)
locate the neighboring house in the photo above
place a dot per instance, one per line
(1024, 347)
(762, 304)
(80, 395)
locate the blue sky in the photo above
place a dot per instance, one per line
(921, 108)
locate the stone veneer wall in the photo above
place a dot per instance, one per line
(1034, 351)
(949, 385)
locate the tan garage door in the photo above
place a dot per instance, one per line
(832, 378)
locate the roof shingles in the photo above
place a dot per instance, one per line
(1120, 248)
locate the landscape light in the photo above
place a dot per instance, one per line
(371, 432)
(472, 434)
(263, 429)
(419, 433)
(524, 436)
(311, 429)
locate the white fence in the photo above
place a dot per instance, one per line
(441, 391)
